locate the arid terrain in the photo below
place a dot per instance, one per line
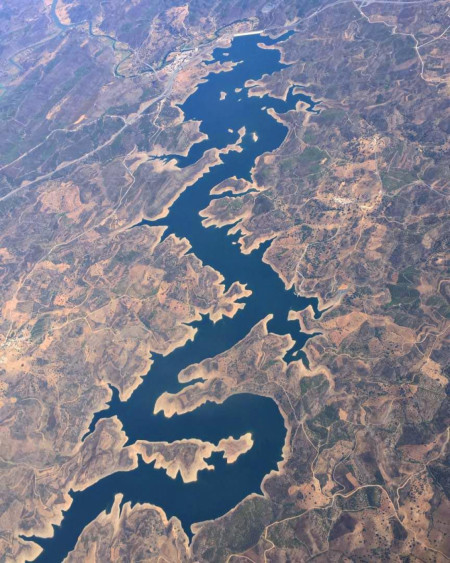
(355, 206)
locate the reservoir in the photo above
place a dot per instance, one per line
(216, 491)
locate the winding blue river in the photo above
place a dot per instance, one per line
(216, 491)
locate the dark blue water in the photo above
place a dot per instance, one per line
(216, 491)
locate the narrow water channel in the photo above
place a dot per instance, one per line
(216, 491)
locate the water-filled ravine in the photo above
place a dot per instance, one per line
(216, 491)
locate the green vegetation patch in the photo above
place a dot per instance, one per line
(307, 383)
(284, 534)
(328, 415)
(310, 137)
(312, 154)
(340, 431)
(405, 53)
(368, 497)
(403, 294)
(319, 433)
(127, 256)
(331, 115)
(409, 276)
(238, 531)
(439, 303)
(236, 203)
(39, 329)
(396, 179)
(288, 164)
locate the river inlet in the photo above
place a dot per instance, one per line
(216, 491)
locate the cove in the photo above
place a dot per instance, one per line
(216, 491)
